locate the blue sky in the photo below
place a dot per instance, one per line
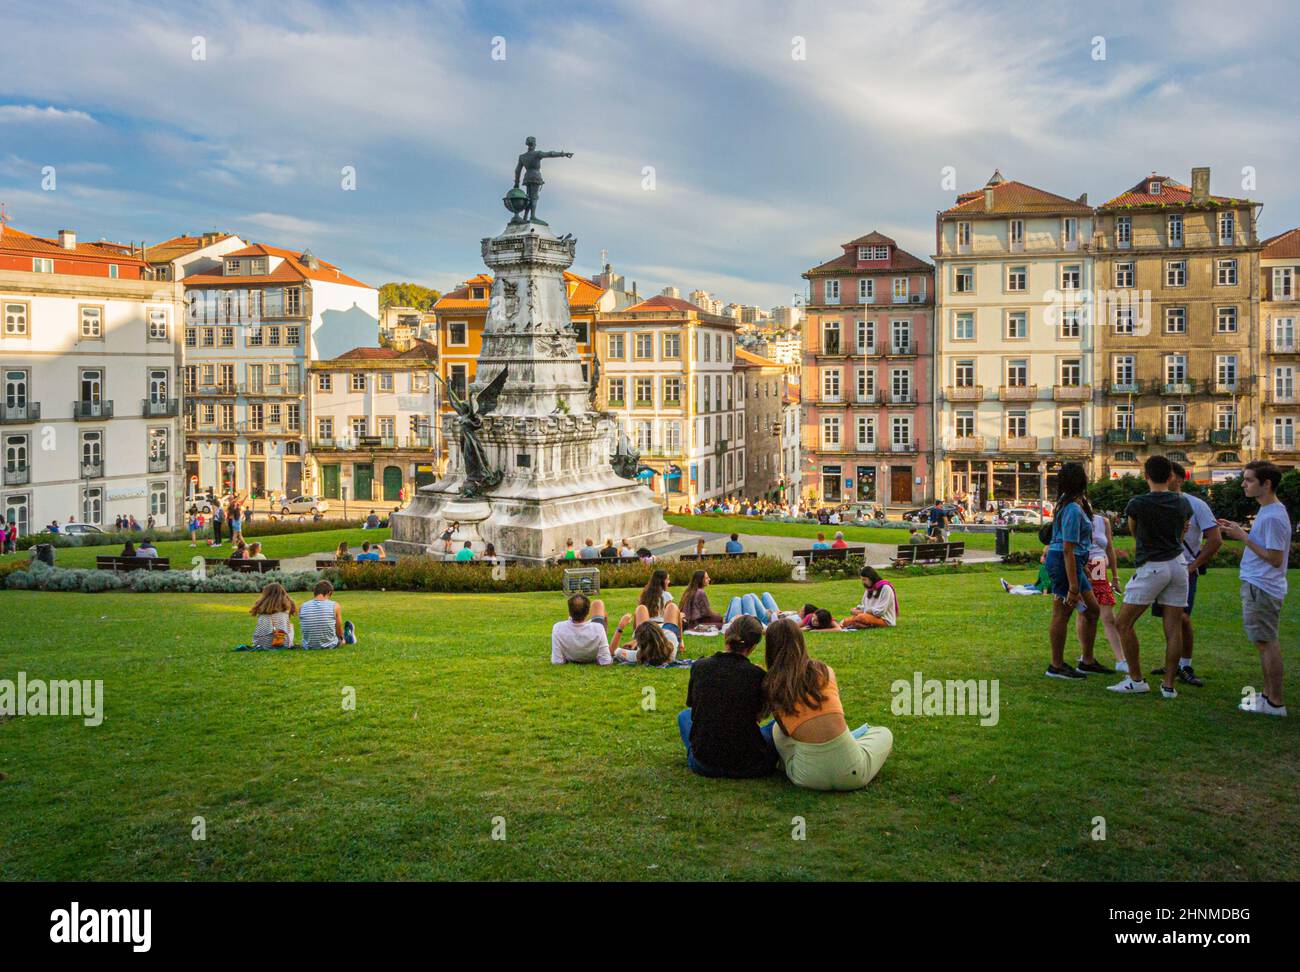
(763, 163)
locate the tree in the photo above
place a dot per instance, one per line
(1288, 491)
(407, 295)
(1113, 495)
(1229, 501)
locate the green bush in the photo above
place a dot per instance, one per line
(440, 576)
(260, 527)
(39, 576)
(1020, 557)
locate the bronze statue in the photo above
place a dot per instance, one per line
(626, 460)
(479, 474)
(530, 166)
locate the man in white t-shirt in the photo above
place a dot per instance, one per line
(582, 638)
(1263, 579)
(1201, 541)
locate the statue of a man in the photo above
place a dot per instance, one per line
(530, 167)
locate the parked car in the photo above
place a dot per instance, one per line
(923, 514)
(79, 529)
(1020, 514)
(304, 504)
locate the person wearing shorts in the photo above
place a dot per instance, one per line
(1103, 568)
(1158, 519)
(1067, 568)
(1263, 580)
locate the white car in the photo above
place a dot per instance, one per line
(78, 529)
(1024, 515)
(304, 504)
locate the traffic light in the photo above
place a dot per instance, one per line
(415, 425)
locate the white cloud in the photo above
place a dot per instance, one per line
(32, 113)
(286, 227)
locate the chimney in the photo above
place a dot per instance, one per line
(988, 200)
(1200, 185)
(68, 239)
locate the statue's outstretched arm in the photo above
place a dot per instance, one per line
(557, 155)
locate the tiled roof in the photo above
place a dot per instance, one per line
(179, 246)
(420, 350)
(1172, 193)
(660, 302)
(870, 238)
(289, 270)
(14, 240)
(900, 259)
(1283, 246)
(751, 360)
(582, 293)
(1011, 198)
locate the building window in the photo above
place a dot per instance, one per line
(1175, 320)
(1176, 273)
(866, 337)
(866, 290)
(324, 381)
(92, 505)
(1071, 325)
(830, 432)
(963, 234)
(901, 431)
(325, 428)
(866, 428)
(1016, 232)
(158, 501)
(1017, 424)
(1123, 230)
(42, 265)
(1227, 320)
(900, 290)
(1124, 275)
(158, 325)
(1175, 228)
(581, 331)
(866, 384)
(1225, 372)
(672, 437)
(459, 378)
(645, 346)
(293, 301)
(616, 391)
(672, 345)
(457, 334)
(900, 384)
(191, 337)
(831, 289)
(965, 425)
(358, 381)
(252, 337)
(1226, 273)
(1283, 278)
(963, 326)
(1017, 278)
(1124, 417)
(92, 323)
(1227, 227)
(1175, 369)
(386, 381)
(1176, 422)
(1072, 424)
(645, 396)
(1284, 433)
(672, 390)
(614, 347)
(1071, 277)
(1071, 372)
(1018, 373)
(1017, 325)
(963, 280)
(831, 385)
(227, 337)
(1124, 319)
(963, 374)
(1124, 369)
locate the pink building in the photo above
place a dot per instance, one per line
(868, 367)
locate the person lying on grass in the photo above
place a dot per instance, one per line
(878, 607)
(1041, 585)
(811, 737)
(762, 606)
(724, 701)
(651, 644)
(274, 611)
(813, 618)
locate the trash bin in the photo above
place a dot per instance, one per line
(1002, 541)
(43, 552)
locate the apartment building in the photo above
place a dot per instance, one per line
(668, 375)
(255, 321)
(1279, 261)
(89, 355)
(868, 376)
(791, 440)
(1014, 349)
(1178, 298)
(461, 313)
(370, 415)
(765, 411)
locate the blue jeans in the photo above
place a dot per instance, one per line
(764, 609)
(684, 727)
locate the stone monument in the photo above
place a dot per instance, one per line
(531, 462)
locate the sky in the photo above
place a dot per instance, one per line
(727, 145)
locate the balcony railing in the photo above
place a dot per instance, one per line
(159, 407)
(1282, 396)
(902, 350)
(866, 398)
(831, 346)
(92, 410)
(1125, 436)
(1018, 393)
(17, 475)
(1072, 444)
(872, 446)
(1283, 346)
(266, 428)
(352, 443)
(911, 445)
(219, 388)
(263, 390)
(1178, 388)
(1018, 443)
(92, 469)
(1228, 387)
(16, 414)
(902, 398)
(1072, 393)
(965, 393)
(967, 443)
(1225, 437)
(1125, 388)
(1167, 437)
(159, 464)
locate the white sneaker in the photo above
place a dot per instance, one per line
(1168, 693)
(1005, 586)
(1261, 706)
(1122, 666)
(1129, 687)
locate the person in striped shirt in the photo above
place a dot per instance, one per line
(274, 611)
(322, 622)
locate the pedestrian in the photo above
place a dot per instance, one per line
(218, 518)
(1263, 580)
(1067, 560)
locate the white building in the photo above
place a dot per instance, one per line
(370, 414)
(791, 440)
(89, 355)
(255, 322)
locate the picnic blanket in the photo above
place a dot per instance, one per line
(678, 663)
(280, 648)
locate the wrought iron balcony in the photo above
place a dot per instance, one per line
(82, 411)
(1184, 437)
(1125, 388)
(1126, 436)
(902, 398)
(18, 414)
(219, 388)
(1225, 437)
(909, 446)
(159, 464)
(1178, 388)
(1228, 387)
(1283, 346)
(17, 475)
(159, 407)
(831, 346)
(263, 390)
(903, 349)
(92, 468)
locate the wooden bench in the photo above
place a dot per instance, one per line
(132, 563)
(929, 553)
(244, 566)
(322, 564)
(831, 553)
(719, 556)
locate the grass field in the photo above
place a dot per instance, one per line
(279, 547)
(460, 719)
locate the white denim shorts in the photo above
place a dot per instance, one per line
(1158, 582)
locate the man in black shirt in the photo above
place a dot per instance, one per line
(609, 550)
(724, 701)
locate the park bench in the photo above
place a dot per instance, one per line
(831, 553)
(322, 564)
(929, 553)
(132, 563)
(243, 566)
(719, 556)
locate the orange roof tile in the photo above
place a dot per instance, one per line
(1011, 197)
(752, 360)
(1284, 246)
(661, 302)
(14, 240)
(178, 246)
(1172, 193)
(582, 293)
(290, 269)
(899, 259)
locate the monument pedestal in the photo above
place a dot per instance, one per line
(548, 451)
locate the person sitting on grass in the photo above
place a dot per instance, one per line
(1041, 585)
(878, 607)
(812, 738)
(342, 555)
(651, 644)
(254, 551)
(697, 612)
(821, 543)
(724, 701)
(582, 638)
(274, 611)
(466, 552)
(817, 619)
(762, 607)
(322, 620)
(734, 546)
(370, 552)
(656, 598)
(240, 550)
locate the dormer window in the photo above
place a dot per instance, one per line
(258, 266)
(477, 293)
(864, 253)
(232, 268)
(1155, 187)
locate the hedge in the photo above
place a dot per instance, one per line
(440, 576)
(260, 527)
(39, 576)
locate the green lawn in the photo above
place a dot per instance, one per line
(461, 719)
(757, 526)
(279, 547)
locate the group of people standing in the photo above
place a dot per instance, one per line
(230, 515)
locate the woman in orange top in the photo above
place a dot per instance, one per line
(814, 742)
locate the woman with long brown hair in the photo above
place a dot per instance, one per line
(274, 611)
(650, 644)
(814, 742)
(696, 609)
(655, 596)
